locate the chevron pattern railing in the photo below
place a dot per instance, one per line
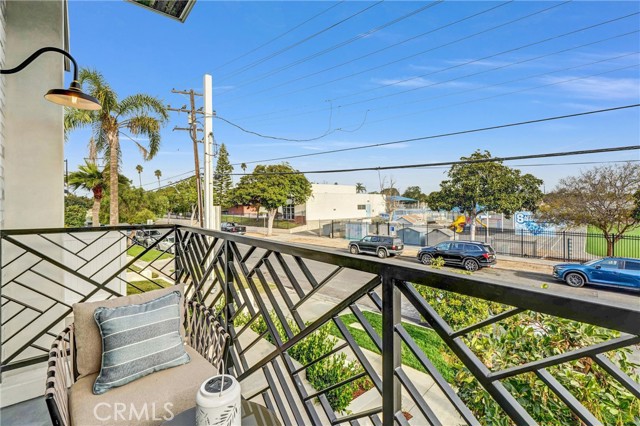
(276, 297)
(46, 271)
(313, 328)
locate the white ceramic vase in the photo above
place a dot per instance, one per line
(218, 402)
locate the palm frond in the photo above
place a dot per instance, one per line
(76, 119)
(97, 86)
(143, 104)
(147, 126)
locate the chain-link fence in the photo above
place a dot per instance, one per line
(543, 244)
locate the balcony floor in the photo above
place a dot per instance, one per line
(32, 413)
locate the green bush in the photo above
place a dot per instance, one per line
(527, 337)
(327, 372)
(74, 216)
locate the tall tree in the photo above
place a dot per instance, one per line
(605, 197)
(360, 188)
(158, 175)
(271, 187)
(481, 184)
(90, 178)
(243, 166)
(416, 193)
(135, 115)
(222, 182)
(139, 169)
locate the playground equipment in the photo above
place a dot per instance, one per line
(458, 224)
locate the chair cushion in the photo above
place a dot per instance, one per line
(150, 400)
(87, 335)
(138, 340)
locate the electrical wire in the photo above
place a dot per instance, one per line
(279, 36)
(467, 37)
(450, 163)
(421, 100)
(298, 43)
(443, 135)
(334, 47)
(450, 24)
(430, 166)
(327, 133)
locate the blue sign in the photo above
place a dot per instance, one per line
(525, 221)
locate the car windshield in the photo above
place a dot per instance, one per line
(592, 262)
(170, 240)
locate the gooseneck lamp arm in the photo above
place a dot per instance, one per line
(71, 97)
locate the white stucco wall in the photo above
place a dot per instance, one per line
(34, 139)
(340, 202)
(31, 168)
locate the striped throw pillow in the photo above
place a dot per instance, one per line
(138, 340)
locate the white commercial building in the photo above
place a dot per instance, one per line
(329, 202)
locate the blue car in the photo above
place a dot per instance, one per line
(611, 271)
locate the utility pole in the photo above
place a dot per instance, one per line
(212, 213)
(193, 131)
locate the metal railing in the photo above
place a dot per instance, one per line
(274, 297)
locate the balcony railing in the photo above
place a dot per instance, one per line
(280, 302)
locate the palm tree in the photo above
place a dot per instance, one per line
(91, 178)
(139, 169)
(158, 174)
(138, 115)
(360, 188)
(243, 166)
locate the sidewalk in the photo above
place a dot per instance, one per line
(410, 252)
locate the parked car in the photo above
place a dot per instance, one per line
(146, 237)
(381, 246)
(233, 227)
(471, 255)
(618, 272)
(167, 244)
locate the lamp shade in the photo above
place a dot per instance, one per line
(73, 98)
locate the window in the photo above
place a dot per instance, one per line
(366, 239)
(457, 246)
(472, 247)
(443, 246)
(362, 206)
(632, 266)
(375, 239)
(288, 212)
(609, 264)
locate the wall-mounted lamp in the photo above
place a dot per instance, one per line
(71, 97)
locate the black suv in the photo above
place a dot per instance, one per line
(471, 255)
(378, 245)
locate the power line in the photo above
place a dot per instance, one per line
(467, 37)
(450, 163)
(279, 36)
(469, 62)
(478, 72)
(327, 133)
(304, 40)
(374, 52)
(335, 46)
(507, 93)
(433, 166)
(442, 135)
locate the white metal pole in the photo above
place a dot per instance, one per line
(208, 152)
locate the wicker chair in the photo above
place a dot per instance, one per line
(203, 333)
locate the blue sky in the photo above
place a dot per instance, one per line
(388, 73)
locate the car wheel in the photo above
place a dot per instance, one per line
(382, 253)
(471, 265)
(574, 279)
(354, 249)
(426, 259)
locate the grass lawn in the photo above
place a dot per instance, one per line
(135, 268)
(150, 256)
(426, 339)
(251, 221)
(145, 285)
(624, 248)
